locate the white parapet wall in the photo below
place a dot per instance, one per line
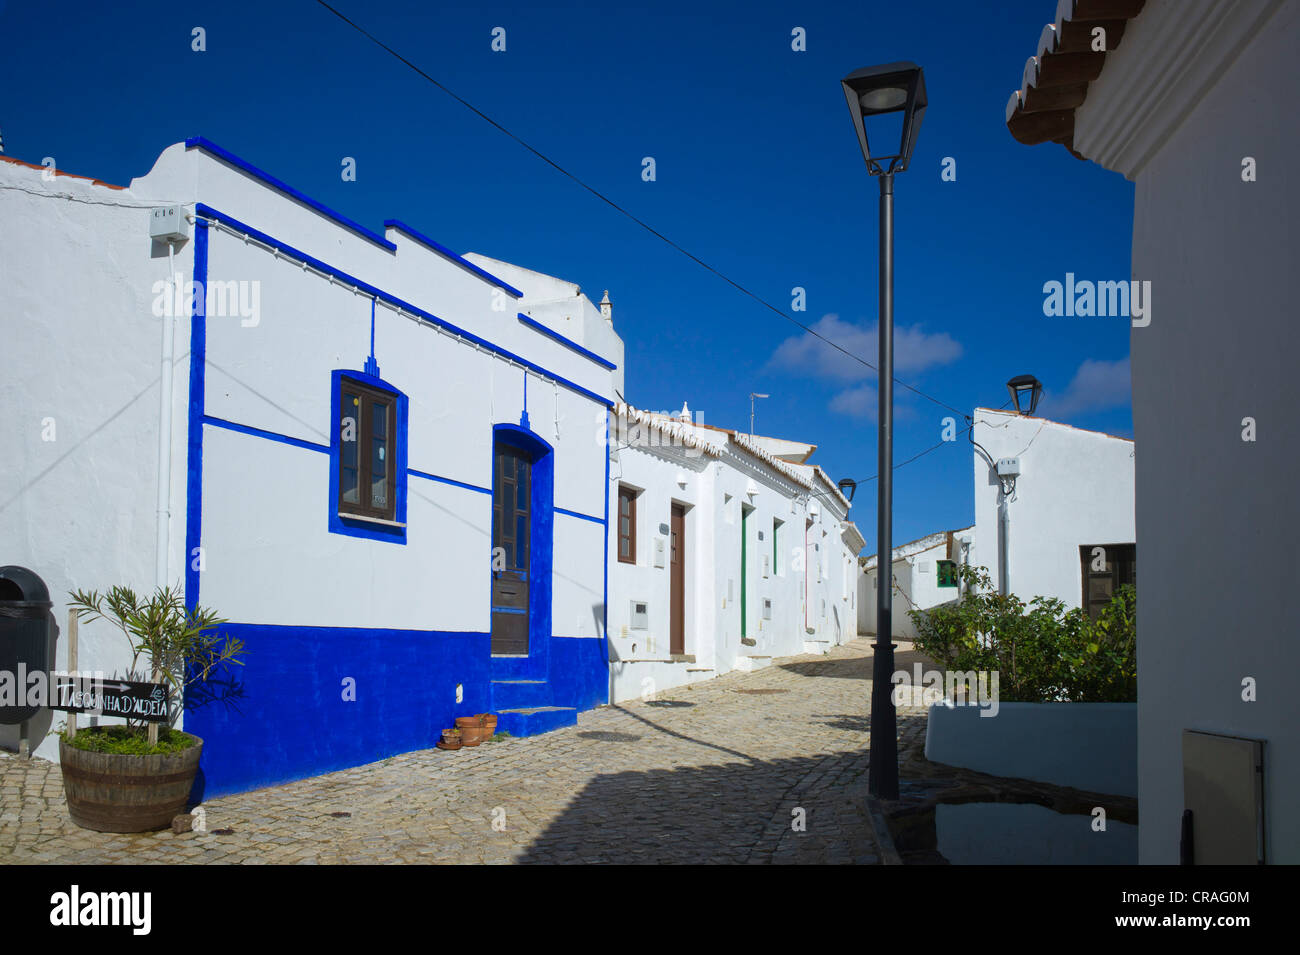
(1090, 746)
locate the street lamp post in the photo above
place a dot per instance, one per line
(872, 92)
(752, 396)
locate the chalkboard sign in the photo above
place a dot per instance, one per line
(149, 702)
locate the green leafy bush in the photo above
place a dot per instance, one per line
(130, 741)
(1042, 651)
(178, 646)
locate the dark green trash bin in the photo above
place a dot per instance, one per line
(25, 629)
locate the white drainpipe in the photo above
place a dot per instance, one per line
(1005, 562)
(165, 425)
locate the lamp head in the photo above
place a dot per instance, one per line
(878, 91)
(848, 487)
(1025, 392)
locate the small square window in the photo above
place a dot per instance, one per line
(368, 459)
(947, 572)
(626, 525)
(367, 462)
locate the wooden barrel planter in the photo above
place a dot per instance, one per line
(112, 792)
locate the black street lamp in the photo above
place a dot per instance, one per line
(871, 93)
(1026, 389)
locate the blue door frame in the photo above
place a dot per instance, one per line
(541, 499)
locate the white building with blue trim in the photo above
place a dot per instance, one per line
(388, 463)
(392, 468)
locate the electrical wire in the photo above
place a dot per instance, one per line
(41, 194)
(614, 205)
(969, 429)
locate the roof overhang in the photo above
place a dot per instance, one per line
(1070, 55)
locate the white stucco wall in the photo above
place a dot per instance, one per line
(276, 376)
(809, 579)
(916, 577)
(1222, 345)
(82, 346)
(1088, 746)
(82, 368)
(1075, 488)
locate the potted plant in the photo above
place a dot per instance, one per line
(136, 778)
(450, 739)
(475, 729)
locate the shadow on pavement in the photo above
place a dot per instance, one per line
(724, 813)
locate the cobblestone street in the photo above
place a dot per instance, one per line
(710, 773)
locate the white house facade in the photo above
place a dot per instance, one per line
(723, 554)
(383, 462)
(1195, 107)
(1064, 522)
(926, 574)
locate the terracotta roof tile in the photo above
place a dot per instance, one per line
(1055, 79)
(60, 172)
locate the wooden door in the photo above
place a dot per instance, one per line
(511, 537)
(677, 581)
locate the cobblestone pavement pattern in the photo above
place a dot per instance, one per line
(708, 773)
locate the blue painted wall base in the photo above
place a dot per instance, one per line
(312, 700)
(288, 714)
(533, 721)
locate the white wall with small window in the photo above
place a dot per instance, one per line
(1075, 488)
(760, 535)
(925, 575)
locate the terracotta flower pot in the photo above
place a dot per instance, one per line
(115, 792)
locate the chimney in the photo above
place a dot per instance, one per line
(607, 308)
(685, 413)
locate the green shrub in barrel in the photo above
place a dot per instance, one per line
(136, 777)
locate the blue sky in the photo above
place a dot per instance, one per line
(758, 173)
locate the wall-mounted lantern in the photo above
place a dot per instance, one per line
(1025, 392)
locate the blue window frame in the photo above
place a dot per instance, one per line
(368, 439)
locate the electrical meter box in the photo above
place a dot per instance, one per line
(1008, 467)
(168, 224)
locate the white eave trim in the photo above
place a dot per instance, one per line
(1173, 53)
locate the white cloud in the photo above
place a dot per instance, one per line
(859, 402)
(914, 350)
(1098, 385)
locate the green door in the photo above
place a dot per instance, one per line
(744, 571)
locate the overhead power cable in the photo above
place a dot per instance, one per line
(618, 208)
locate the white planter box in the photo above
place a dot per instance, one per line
(1090, 746)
